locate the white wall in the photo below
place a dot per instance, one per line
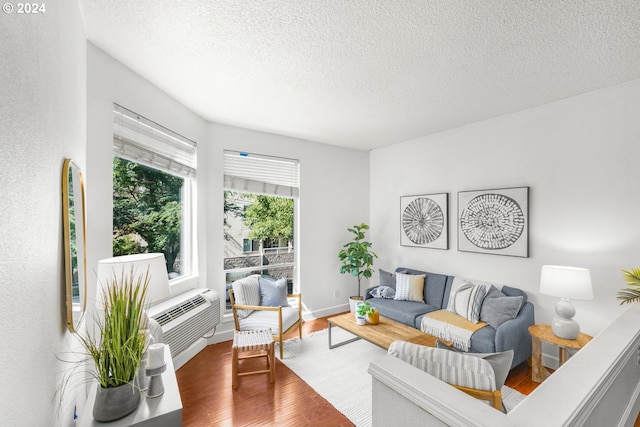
(334, 194)
(42, 122)
(109, 81)
(334, 183)
(578, 157)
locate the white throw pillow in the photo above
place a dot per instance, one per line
(409, 287)
(466, 301)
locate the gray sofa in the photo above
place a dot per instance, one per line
(511, 335)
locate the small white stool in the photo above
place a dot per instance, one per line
(252, 341)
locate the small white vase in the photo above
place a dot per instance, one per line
(360, 321)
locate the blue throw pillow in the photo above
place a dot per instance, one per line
(273, 293)
(387, 279)
(498, 308)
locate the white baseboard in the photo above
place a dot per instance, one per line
(189, 353)
(326, 312)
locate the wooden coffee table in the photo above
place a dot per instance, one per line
(382, 334)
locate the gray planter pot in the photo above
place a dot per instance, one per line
(115, 402)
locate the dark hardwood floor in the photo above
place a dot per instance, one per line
(209, 400)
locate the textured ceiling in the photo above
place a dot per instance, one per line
(368, 73)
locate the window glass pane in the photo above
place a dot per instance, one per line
(147, 213)
(258, 237)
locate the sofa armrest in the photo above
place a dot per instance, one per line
(366, 292)
(514, 335)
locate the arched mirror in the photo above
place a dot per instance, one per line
(73, 219)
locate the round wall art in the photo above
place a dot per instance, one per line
(494, 221)
(424, 221)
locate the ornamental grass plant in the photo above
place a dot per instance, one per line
(119, 343)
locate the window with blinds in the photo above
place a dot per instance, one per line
(255, 173)
(259, 211)
(154, 172)
(140, 140)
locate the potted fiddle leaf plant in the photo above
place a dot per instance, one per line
(118, 345)
(357, 257)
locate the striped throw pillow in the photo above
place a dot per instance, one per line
(448, 366)
(246, 292)
(466, 301)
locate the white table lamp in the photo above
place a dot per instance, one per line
(158, 287)
(566, 283)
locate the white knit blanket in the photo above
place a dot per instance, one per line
(460, 337)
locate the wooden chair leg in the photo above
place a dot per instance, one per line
(234, 367)
(281, 347)
(497, 400)
(272, 362)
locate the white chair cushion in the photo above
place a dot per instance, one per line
(448, 366)
(246, 292)
(269, 319)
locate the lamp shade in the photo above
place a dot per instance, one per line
(158, 287)
(566, 282)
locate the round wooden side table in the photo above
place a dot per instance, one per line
(540, 333)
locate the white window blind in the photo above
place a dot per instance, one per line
(255, 173)
(140, 140)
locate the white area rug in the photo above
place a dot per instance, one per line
(340, 375)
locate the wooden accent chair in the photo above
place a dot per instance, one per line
(479, 375)
(248, 314)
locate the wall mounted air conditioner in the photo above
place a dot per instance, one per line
(187, 317)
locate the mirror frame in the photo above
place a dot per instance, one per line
(75, 206)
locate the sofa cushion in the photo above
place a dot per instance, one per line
(497, 308)
(269, 319)
(401, 311)
(467, 301)
(410, 287)
(387, 279)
